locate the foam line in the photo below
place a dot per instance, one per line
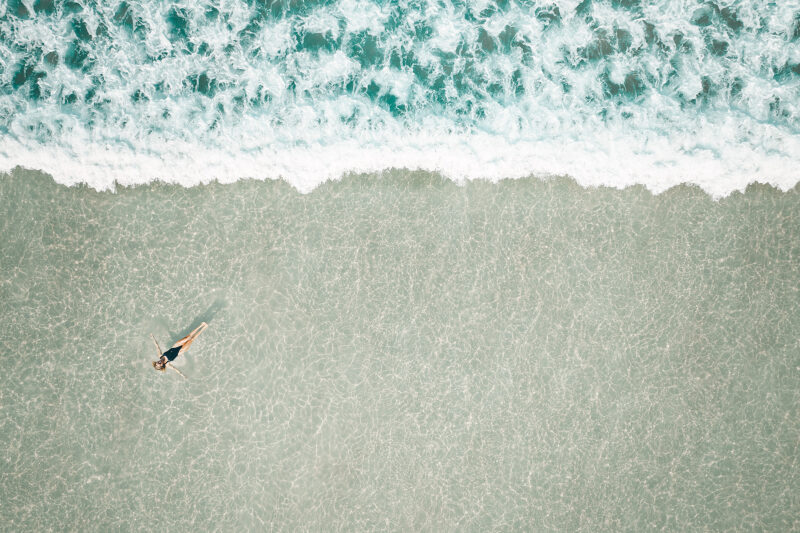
(599, 160)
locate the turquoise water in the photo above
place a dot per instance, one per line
(399, 352)
(614, 92)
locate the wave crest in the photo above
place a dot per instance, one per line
(606, 91)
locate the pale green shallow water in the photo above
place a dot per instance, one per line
(399, 353)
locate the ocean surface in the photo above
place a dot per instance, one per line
(467, 266)
(613, 92)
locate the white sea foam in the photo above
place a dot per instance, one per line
(601, 158)
(610, 96)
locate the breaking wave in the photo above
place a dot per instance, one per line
(612, 92)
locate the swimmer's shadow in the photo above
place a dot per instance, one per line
(206, 317)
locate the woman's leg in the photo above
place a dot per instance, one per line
(185, 342)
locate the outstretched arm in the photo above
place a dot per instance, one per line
(176, 370)
(157, 346)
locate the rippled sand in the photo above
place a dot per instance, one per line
(399, 352)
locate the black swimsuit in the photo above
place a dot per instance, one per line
(172, 353)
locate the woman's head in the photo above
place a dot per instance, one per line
(159, 365)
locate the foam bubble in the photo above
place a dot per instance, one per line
(362, 15)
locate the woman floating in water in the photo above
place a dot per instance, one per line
(166, 358)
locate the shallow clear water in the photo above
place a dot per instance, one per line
(399, 352)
